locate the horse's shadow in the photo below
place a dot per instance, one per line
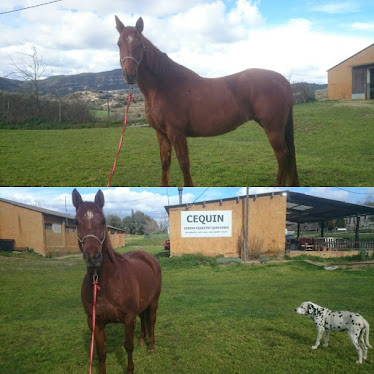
(115, 334)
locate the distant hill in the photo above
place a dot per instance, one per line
(61, 85)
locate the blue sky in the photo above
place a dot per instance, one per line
(151, 200)
(300, 39)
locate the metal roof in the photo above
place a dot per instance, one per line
(302, 208)
(47, 211)
(38, 209)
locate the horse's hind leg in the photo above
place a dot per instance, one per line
(151, 324)
(129, 322)
(143, 330)
(165, 155)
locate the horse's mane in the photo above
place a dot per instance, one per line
(113, 255)
(160, 63)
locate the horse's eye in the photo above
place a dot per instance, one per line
(103, 221)
(76, 222)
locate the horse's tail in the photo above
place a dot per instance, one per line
(367, 328)
(293, 179)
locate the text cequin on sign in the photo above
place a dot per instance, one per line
(205, 224)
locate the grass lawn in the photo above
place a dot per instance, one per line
(211, 318)
(334, 147)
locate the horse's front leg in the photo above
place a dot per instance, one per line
(179, 142)
(165, 155)
(129, 322)
(100, 338)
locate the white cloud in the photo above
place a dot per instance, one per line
(122, 200)
(257, 190)
(212, 37)
(362, 26)
(330, 193)
(337, 7)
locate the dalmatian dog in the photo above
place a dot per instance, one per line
(326, 320)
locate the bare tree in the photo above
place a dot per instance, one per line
(31, 69)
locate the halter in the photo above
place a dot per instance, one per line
(122, 60)
(93, 236)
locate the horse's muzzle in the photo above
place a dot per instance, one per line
(129, 78)
(93, 262)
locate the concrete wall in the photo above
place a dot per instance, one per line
(267, 223)
(340, 76)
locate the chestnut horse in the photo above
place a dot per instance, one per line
(180, 103)
(130, 284)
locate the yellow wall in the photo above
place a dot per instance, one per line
(340, 76)
(267, 223)
(27, 228)
(117, 238)
(23, 225)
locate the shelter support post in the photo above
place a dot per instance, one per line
(322, 229)
(246, 225)
(357, 232)
(298, 231)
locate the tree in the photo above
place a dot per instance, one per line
(114, 220)
(31, 69)
(139, 223)
(150, 226)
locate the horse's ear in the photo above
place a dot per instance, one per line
(99, 199)
(77, 198)
(119, 25)
(140, 25)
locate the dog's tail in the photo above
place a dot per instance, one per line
(367, 328)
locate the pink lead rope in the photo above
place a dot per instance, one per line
(129, 100)
(95, 289)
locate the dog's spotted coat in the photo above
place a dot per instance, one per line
(326, 320)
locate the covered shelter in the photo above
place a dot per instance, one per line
(303, 208)
(254, 223)
(48, 232)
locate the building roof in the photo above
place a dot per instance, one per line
(302, 208)
(46, 211)
(38, 209)
(372, 45)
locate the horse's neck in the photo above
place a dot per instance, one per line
(158, 67)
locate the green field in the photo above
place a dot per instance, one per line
(334, 147)
(211, 319)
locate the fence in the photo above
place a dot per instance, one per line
(15, 108)
(333, 244)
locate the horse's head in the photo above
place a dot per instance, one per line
(131, 49)
(91, 226)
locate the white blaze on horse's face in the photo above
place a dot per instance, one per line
(131, 49)
(89, 214)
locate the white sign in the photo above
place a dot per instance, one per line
(206, 224)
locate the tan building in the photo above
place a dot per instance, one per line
(353, 78)
(217, 227)
(45, 231)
